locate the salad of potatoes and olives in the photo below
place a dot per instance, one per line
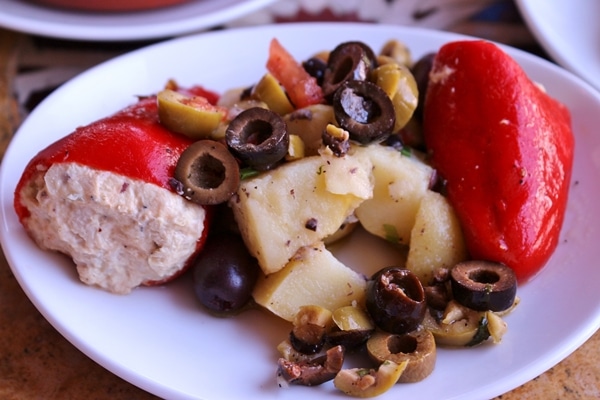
(314, 150)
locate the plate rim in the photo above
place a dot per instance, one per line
(553, 359)
(66, 24)
(537, 28)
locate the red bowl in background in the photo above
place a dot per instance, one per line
(109, 5)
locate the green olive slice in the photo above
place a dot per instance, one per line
(417, 348)
(483, 285)
(349, 318)
(269, 90)
(396, 51)
(192, 116)
(353, 326)
(207, 173)
(364, 383)
(456, 328)
(400, 85)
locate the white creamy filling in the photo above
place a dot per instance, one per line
(119, 232)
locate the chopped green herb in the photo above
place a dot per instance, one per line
(247, 173)
(320, 170)
(405, 151)
(391, 234)
(482, 334)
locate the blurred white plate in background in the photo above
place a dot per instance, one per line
(569, 31)
(160, 23)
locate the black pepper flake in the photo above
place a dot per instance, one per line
(176, 185)
(338, 147)
(311, 224)
(301, 114)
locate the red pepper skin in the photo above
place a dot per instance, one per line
(131, 142)
(505, 149)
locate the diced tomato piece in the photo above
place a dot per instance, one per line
(300, 86)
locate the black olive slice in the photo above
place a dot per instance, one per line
(311, 372)
(207, 173)
(258, 137)
(308, 338)
(364, 110)
(395, 299)
(483, 285)
(351, 339)
(348, 61)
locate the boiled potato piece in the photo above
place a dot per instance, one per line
(436, 238)
(313, 277)
(400, 184)
(309, 123)
(298, 204)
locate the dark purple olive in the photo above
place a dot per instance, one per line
(258, 137)
(315, 67)
(348, 61)
(420, 71)
(365, 111)
(224, 274)
(483, 285)
(395, 299)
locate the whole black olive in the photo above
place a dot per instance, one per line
(258, 137)
(483, 285)
(206, 173)
(395, 299)
(224, 275)
(315, 66)
(352, 60)
(420, 71)
(364, 110)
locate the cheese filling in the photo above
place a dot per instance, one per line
(120, 232)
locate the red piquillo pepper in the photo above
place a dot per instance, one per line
(505, 149)
(131, 142)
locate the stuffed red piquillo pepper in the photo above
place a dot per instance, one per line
(102, 195)
(505, 149)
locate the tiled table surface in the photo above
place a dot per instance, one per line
(36, 362)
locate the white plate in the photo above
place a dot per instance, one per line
(159, 339)
(23, 16)
(569, 31)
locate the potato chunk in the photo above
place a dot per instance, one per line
(309, 123)
(313, 277)
(436, 238)
(400, 184)
(298, 204)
